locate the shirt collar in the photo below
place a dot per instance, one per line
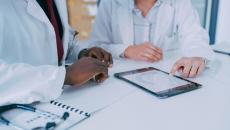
(136, 10)
(157, 4)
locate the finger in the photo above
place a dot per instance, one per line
(97, 63)
(201, 69)
(181, 70)
(144, 59)
(158, 50)
(176, 67)
(148, 57)
(102, 54)
(100, 67)
(106, 57)
(101, 77)
(153, 53)
(187, 69)
(100, 63)
(159, 55)
(194, 70)
(111, 60)
(96, 54)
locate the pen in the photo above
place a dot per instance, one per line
(221, 52)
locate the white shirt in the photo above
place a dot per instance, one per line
(144, 26)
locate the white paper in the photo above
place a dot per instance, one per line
(93, 97)
(30, 120)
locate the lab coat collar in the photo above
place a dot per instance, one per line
(133, 6)
(62, 9)
(137, 11)
(34, 10)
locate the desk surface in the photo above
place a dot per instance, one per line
(204, 109)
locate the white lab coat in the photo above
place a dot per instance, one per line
(29, 68)
(177, 26)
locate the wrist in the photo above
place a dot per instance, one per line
(67, 78)
(126, 52)
(206, 62)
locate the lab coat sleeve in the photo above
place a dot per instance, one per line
(194, 39)
(102, 31)
(24, 83)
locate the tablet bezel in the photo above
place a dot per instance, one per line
(162, 94)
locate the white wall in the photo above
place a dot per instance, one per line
(223, 23)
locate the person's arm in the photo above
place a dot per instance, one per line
(194, 38)
(102, 37)
(24, 83)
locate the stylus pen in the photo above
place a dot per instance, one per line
(221, 52)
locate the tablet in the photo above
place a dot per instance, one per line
(158, 82)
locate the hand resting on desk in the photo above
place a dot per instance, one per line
(189, 67)
(86, 69)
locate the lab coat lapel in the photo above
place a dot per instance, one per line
(125, 22)
(164, 21)
(34, 10)
(62, 10)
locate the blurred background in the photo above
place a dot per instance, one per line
(213, 15)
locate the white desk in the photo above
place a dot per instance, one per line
(204, 109)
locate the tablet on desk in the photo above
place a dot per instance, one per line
(158, 82)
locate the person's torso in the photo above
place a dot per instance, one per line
(162, 30)
(27, 34)
(144, 26)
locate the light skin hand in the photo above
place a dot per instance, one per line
(144, 52)
(189, 67)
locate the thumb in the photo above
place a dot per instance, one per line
(175, 68)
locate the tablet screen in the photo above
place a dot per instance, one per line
(155, 80)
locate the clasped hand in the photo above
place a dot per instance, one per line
(93, 63)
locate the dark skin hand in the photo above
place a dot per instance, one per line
(98, 53)
(84, 70)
